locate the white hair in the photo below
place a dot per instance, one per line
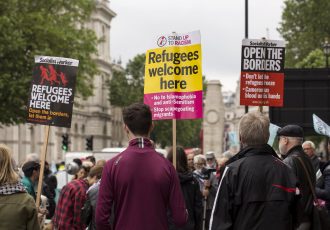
(310, 143)
(198, 157)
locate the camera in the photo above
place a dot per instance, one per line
(206, 173)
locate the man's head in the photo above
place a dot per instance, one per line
(210, 159)
(138, 119)
(199, 162)
(309, 148)
(288, 137)
(31, 170)
(91, 159)
(94, 174)
(254, 129)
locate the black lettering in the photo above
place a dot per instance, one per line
(151, 58)
(183, 84)
(195, 69)
(158, 58)
(196, 56)
(152, 72)
(170, 84)
(190, 56)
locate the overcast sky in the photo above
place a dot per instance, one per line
(221, 23)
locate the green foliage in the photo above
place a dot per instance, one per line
(305, 26)
(52, 28)
(314, 59)
(128, 87)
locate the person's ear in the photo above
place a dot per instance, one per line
(126, 129)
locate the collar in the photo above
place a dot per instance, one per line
(140, 142)
(253, 151)
(295, 149)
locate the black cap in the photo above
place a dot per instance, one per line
(30, 166)
(291, 131)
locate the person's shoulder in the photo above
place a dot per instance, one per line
(116, 158)
(23, 198)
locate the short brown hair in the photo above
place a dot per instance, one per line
(254, 129)
(96, 171)
(138, 118)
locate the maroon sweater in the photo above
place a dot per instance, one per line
(142, 186)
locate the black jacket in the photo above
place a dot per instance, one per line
(323, 185)
(306, 201)
(257, 191)
(193, 198)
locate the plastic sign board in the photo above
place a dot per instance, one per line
(262, 75)
(173, 77)
(52, 91)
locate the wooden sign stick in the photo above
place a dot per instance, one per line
(42, 165)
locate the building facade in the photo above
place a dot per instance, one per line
(91, 117)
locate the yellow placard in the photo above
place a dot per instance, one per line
(173, 69)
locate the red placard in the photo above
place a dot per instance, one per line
(262, 77)
(258, 89)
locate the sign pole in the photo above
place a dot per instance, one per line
(174, 141)
(42, 164)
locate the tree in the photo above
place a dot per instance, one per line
(127, 87)
(314, 59)
(52, 28)
(305, 26)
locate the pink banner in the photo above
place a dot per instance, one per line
(188, 105)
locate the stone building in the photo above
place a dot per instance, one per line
(90, 117)
(213, 123)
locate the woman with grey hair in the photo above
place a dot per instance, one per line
(18, 210)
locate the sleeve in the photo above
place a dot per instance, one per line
(176, 201)
(222, 217)
(33, 223)
(79, 200)
(105, 200)
(198, 208)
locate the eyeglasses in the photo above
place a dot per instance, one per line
(209, 159)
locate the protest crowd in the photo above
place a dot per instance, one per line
(140, 189)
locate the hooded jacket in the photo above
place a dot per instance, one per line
(193, 199)
(17, 208)
(256, 191)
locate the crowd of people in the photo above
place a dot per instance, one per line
(255, 188)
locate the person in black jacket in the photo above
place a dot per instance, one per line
(257, 191)
(49, 190)
(190, 190)
(323, 185)
(290, 147)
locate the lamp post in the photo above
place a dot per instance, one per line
(326, 51)
(246, 33)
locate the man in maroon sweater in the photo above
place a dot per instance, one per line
(139, 184)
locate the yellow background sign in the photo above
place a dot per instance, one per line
(173, 69)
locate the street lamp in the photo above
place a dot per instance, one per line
(326, 51)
